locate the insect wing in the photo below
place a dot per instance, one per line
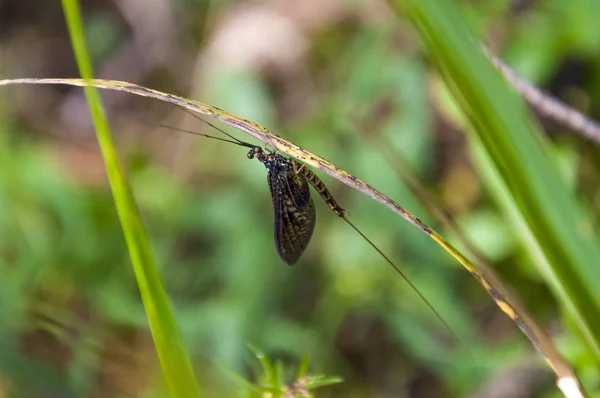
(295, 214)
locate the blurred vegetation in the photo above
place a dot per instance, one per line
(271, 382)
(73, 323)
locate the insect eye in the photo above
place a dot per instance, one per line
(254, 152)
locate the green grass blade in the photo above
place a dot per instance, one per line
(173, 357)
(517, 149)
(267, 367)
(303, 371)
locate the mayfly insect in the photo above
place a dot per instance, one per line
(294, 209)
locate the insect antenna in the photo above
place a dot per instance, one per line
(210, 124)
(234, 141)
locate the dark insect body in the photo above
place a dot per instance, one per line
(294, 210)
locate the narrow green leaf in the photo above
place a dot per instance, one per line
(266, 364)
(277, 381)
(237, 379)
(322, 381)
(175, 362)
(303, 371)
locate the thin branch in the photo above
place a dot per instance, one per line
(547, 105)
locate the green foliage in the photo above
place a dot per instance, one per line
(271, 383)
(70, 309)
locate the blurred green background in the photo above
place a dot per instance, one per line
(340, 78)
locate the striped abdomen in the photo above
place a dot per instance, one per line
(319, 186)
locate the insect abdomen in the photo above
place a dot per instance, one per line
(319, 187)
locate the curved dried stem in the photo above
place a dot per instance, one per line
(496, 289)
